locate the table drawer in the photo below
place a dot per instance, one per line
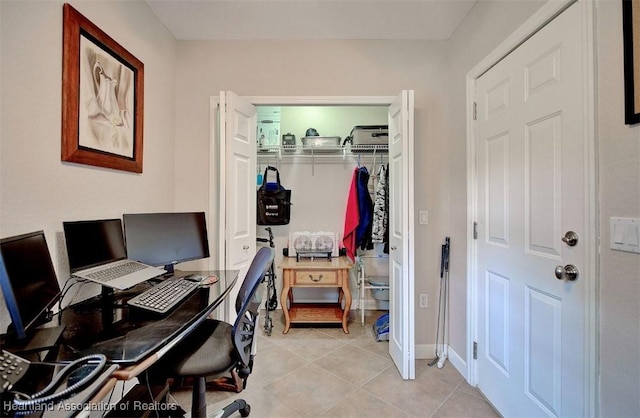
(315, 277)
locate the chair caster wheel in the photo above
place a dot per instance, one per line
(244, 412)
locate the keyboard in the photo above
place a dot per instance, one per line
(116, 271)
(164, 296)
(12, 368)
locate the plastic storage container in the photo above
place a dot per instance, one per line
(380, 290)
(321, 144)
(379, 281)
(369, 138)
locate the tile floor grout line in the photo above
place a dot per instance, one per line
(384, 400)
(359, 339)
(445, 399)
(375, 376)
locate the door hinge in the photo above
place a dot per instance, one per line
(475, 230)
(475, 350)
(475, 111)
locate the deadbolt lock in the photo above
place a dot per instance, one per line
(570, 238)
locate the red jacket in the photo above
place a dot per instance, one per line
(352, 218)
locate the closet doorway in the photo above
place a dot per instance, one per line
(234, 125)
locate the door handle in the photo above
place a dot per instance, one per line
(569, 272)
(245, 247)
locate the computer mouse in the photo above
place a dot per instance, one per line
(210, 280)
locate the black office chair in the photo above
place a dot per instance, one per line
(216, 347)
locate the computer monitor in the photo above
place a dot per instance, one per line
(93, 243)
(28, 281)
(166, 239)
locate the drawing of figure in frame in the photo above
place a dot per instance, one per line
(106, 105)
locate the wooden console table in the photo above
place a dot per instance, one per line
(319, 273)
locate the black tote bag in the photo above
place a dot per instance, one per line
(274, 201)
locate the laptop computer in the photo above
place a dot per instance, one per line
(97, 252)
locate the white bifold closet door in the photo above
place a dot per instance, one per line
(238, 134)
(401, 210)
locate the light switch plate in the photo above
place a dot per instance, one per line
(424, 217)
(625, 234)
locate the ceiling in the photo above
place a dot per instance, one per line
(311, 19)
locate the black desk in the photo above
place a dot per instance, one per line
(135, 339)
(134, 334)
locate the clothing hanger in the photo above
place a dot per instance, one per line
(373, 164)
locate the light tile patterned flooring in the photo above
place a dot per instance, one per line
(322, 372)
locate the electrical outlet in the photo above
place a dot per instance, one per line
(424, 300)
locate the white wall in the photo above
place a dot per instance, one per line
(486, 26)
(330, 120)
(328, 68)
(38, 191)
(619, 176)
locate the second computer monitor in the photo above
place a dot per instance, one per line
(28, 281)
(166, 239)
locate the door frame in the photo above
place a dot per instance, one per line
(217, 181)
(543, 16)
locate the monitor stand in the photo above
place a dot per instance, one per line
(38, 340)
(170, 268)
(107, 302)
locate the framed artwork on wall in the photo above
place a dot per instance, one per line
(631, 46)
(102, 98)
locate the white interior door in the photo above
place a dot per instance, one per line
(401, 274)
(532, 187)
(238, 134)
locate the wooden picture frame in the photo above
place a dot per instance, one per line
(102, 98)
(631, 47)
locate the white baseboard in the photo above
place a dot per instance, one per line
(427, 351)
(457, 362)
